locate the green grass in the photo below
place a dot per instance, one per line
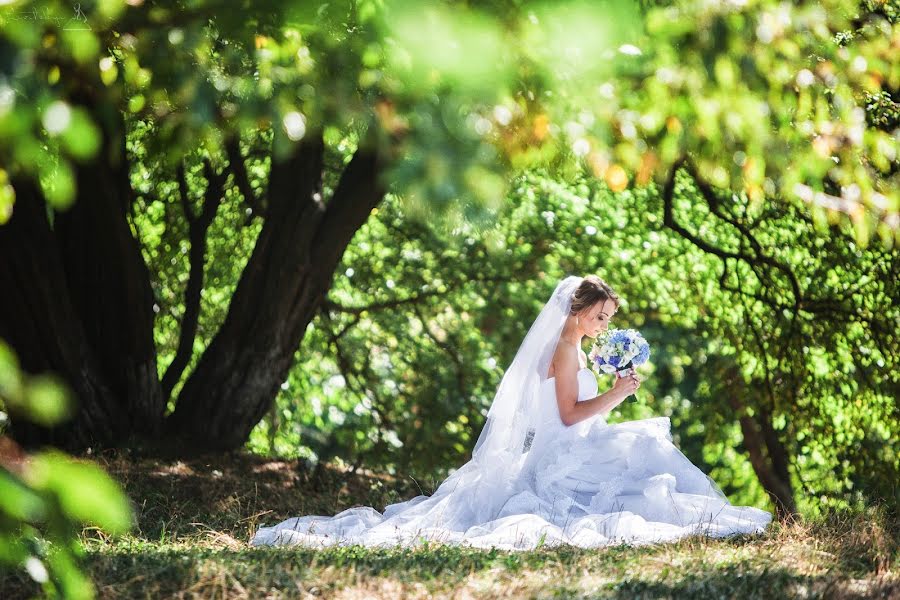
(194, 520)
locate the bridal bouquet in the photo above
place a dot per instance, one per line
(619, 351)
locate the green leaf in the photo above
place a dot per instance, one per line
(73, 585)
(10, 378)
(17, 501)
(81, 138)
(60, 186)
(85, 492)
(7, 198)
(81, 43)
(109, 10)
(46, 400)
(13, 550)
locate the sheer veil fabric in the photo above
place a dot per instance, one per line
(533, 481)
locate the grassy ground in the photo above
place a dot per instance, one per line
(194, 520)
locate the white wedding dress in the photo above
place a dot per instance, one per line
(589, 485)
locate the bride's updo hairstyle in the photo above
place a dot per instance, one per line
(591, 291)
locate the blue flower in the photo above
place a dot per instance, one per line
(614, 361)
(643, 355)
(620, 336)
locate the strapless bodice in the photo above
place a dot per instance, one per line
(549, 408)
(587, 384)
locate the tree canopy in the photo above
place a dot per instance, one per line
(777, 101)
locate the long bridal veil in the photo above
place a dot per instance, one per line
(472, 495)
(513, 416)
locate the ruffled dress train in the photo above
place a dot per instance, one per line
(590, 485)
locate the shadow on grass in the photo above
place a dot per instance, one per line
(736, 582)
(154, 571)
(230, 493)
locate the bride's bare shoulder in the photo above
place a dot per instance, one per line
(564, 358)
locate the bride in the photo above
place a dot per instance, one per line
(547, 468)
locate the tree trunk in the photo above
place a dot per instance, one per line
(778, 456)
(81, 304)
(77, 300)
(769, 460)
(109, 284)
(289, 272)
(41, 323)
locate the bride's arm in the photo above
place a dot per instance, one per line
(570, 410)
(603, 404)
(565, 365)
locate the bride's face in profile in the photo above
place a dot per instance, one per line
(596, 319)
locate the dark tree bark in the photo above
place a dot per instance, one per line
(42, 324)
(282, 286)
(86, 293)
(109, 283)
(767, 456)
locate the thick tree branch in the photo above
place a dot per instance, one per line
(41, 322)
(712, 200)
(359, 191)
(183, 194)
(113, 298)
(767, 454)
(779, 491)
(197, 228)
(238, 376)
(241, 179)
(671, 223)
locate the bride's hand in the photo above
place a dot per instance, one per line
(625, 386)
